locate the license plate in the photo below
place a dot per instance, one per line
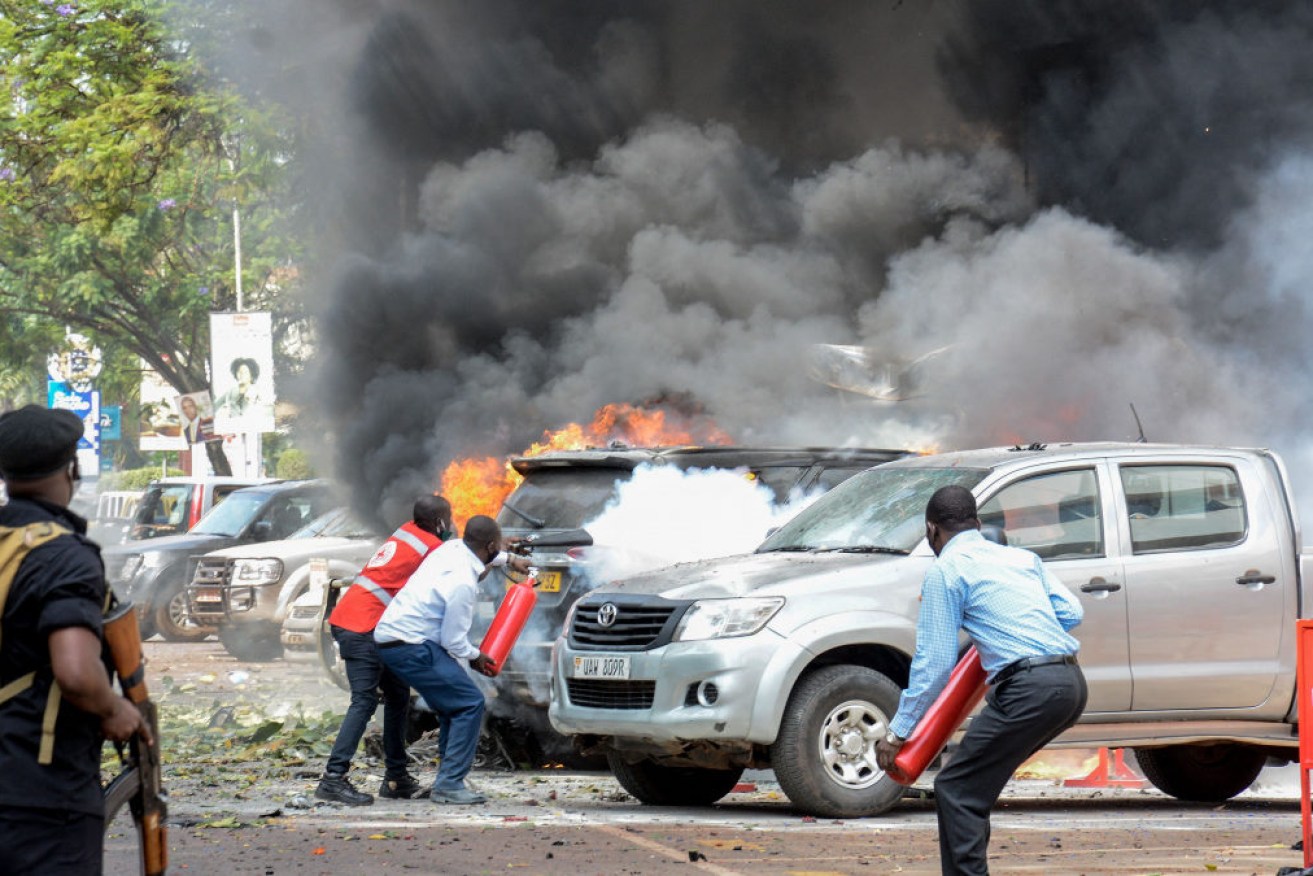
(601, 667)
(549, 582)
(293, 638)
(209, 594)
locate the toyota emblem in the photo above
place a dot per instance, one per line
(607, 614)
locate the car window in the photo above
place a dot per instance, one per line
(1181, 507)
(288, 513)
(835, 475)
(163, 505)
(230, 518)
(1056, 515)
(338, 523)
(779, 478)
(560, 498)
(223, 492)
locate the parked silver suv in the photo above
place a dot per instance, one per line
(1186, 560)
(247, 590)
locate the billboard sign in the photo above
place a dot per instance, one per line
(196, 415)
(242, 372)
(159, 426)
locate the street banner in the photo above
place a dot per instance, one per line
(159, 425)
(111, 423)
(196, 415)
(86, 404)
(242, 372)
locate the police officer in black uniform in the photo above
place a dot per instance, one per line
(51, 806)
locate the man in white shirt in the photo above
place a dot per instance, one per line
(423, 638)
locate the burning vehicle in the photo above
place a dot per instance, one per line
(563, 492)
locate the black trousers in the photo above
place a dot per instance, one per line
(1021, 716)
(48, 841)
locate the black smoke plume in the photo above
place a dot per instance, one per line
(528, 209)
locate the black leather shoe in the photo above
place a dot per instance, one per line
(400, 789)
(336, 789)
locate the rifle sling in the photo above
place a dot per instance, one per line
(15, 542)
(137, 677)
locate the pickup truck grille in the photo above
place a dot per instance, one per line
(597, 694)
(205, 594)
(634, 626)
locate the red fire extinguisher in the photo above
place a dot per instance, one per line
(509, 622)
(966, 685)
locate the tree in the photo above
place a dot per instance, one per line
(121, 162)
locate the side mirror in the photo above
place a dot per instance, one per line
(994, 534)
(261, 530)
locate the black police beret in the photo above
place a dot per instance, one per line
(36, 441)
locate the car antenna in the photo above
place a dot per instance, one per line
(1138, 425)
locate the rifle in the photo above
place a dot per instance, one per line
(139, 784)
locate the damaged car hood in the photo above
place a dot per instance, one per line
(744, 574)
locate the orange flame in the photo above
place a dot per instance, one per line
(477, 485)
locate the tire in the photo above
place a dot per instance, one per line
(172, 621)
(146, 623)
(251, 643)
(1202, 773)
(656, 785)
(331, 660)
(824, 756)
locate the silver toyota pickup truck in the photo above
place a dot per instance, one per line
(1186, 560)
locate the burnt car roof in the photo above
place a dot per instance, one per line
(698, 456)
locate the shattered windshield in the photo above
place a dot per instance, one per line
(878, 511)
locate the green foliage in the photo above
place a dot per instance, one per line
(133, 478)
(293, 464)
(122, 158)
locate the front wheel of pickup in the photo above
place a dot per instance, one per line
(658, 785)
(1203, 773)
(824, 756)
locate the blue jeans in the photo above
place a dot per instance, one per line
(366, 675)
(450, 692)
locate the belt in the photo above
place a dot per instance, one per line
(1030, 663)
(396, 643)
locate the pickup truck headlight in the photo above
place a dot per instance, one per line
(257, 572)
(724, 618)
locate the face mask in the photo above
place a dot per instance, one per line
(446, 534)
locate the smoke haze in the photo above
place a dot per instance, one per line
(530, 209)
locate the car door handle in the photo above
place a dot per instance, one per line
(1253, 576)
(1099, 585)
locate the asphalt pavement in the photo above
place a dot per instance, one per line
(260, 818)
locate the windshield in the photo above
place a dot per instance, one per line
(338, 523)
(560, 498)
(882, 509)
(231, 517)
(164, 505)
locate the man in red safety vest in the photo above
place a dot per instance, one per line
(353, 622)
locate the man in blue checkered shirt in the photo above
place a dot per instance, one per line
(1018, 615)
